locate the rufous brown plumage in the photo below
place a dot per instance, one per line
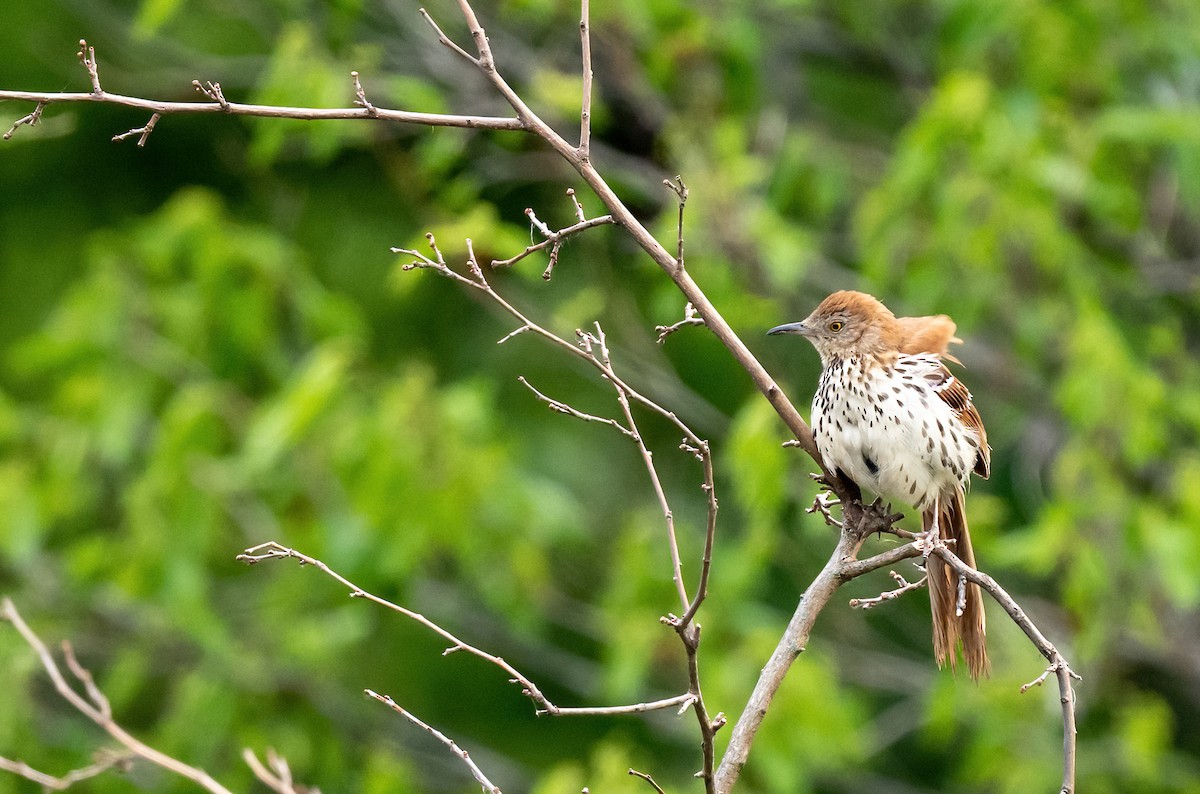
(890, 416)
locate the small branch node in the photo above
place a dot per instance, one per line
(143, 132)
(361, 96)
(212, 91)
(30, 120)
(87, 56)
(578, 207)
(690, 317)
(890, 595)
(517, 332)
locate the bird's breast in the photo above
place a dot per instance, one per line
(885, 428)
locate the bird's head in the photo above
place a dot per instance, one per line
(847, 324)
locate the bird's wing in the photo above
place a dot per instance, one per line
(955, 394)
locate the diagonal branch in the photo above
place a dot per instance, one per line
(1058, 664)
(476, 772)
(275, 551)
(104, 762)
(95, 706)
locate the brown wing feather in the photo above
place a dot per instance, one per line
(955, 394)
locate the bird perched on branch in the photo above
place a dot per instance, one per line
(890, 416)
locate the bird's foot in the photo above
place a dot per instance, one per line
(874, 517)
(927, 541)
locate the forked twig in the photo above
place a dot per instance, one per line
(95, 706)
(889, 595)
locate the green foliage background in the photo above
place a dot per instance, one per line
(205, 344)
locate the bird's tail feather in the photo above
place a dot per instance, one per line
(949, 627)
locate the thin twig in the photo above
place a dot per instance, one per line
(87, 56)
(269, 111)
(476, 772)
(361, 96)
(275, 774)
(212, 91)
(678, 702)
(689, 318)
(275, 551)
(648, 779)
(585, 114)
(1058, 663)
(681, 194)
(553, 237)
(105, 760)
(593, 348)
(97, 708)
(143, 132)
(30, 119)
(889, 595)
(563, 408)
(446, 40)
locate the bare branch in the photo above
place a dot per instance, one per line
(361, 96)
(790, 646)
(271, 111)
(1058, 664)
(593, 348)
(852, 569)
(97, 711)
(84, 677)
(889, 595)
(681, 702)
(822, 503)
(105, 760)
(578, 207)
(648, 779)
(476, 772)
(563, 408)
(585, 114)
(212, 91)
(681, 194)
(274, 551)
(512, 334)
(87, 56)
(553, 238)
(144, 132)
(689, 318)
(30, 119)
(446, 40)
(275, 774)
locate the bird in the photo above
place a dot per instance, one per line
(890, 416)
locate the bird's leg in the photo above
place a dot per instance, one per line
(929, 539)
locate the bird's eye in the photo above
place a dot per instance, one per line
(836, 326)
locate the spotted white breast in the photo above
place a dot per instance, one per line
(885, 424)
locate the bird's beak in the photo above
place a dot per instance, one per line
(791, 328)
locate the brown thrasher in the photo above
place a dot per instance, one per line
(891, 417)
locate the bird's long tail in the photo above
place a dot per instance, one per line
(949, 626)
